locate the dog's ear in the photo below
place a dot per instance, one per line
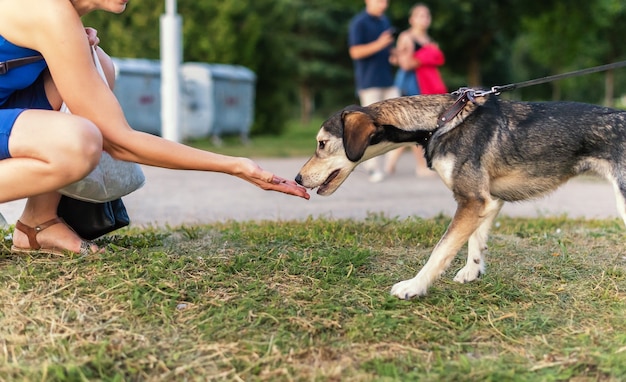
(358, 129)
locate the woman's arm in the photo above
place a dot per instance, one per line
(405, 48)
(60, 37)
(361, 51)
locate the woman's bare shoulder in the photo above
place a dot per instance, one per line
(405, 39)
(405, 34)
(28, 22)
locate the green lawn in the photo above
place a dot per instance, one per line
(309, 301)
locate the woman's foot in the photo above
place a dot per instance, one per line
(52, 237)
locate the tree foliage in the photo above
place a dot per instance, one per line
(320, 45)
(298, 48)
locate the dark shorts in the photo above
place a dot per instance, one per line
(32, 97)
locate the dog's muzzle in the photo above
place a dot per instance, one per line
(299, 179)
(325, 187)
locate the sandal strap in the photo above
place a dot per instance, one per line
(31, 232)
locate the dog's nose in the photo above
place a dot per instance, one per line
(299, 179)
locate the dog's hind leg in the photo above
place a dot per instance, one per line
(470, 214)
(477, 245)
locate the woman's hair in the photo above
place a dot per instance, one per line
(417, 5)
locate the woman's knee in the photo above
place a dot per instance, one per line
(69, 146)
(82, 148)
(90, 140)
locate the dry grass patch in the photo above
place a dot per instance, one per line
(310, 301)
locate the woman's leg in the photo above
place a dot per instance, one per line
(421, 168)
(38, 210)
(421, 165)
(391, 159)
(48, 150)
(372, 165)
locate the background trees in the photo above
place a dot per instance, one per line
(298, 48)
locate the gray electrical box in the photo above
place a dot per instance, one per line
(138, 89)
(218, 99)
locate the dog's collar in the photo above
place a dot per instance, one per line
(465, 95)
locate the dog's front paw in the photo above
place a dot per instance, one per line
(469, 272)
(409, 288)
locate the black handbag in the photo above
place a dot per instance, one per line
(92, 220)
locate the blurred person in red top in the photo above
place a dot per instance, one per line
(417, 51)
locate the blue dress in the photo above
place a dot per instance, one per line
(20, 89)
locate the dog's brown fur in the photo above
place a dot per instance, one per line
(493, 151)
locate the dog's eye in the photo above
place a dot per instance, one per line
(321, 145)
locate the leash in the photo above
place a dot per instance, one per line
(469, 94)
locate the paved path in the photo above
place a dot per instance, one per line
(173, 198)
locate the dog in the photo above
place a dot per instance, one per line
(486, 150)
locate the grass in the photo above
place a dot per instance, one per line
(297, 141)
(309, 301)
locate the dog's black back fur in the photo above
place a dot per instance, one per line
(527, 137)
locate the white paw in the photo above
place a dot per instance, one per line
(409, 288)
(469, 272)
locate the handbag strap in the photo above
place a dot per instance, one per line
(96, 61)
(7, 65)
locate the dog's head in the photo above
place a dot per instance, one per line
(356, 134)
(346, 139)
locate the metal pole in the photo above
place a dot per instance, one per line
(171, 57)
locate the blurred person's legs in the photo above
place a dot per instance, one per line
(421, 168)
(368, 97)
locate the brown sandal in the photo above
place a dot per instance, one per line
(35, 247)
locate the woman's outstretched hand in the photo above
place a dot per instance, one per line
(254, 174)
